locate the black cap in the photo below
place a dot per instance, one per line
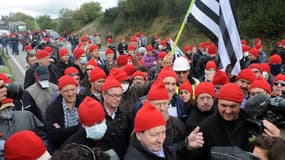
(42, 73)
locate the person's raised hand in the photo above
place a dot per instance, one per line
(195, 139)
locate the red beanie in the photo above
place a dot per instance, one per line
(261, 84)
(93, 47)
(28, 47)
(265, 67)
(131, 48)
(256, 66)
(91, 62)
(109, 40)
(78, 52)
(110, 83)
(129, 69)
(186, 86)
(149, 48)
(119, 74)
(71, 71)
(187, 48)
(258, 46)
(245, 48)
(122, 60)
(90, 112)
(84, 39)
(202, 45)
(212, 49)
(63, 52)
(231, 92)
(42, 54)
(109, 51)
(158, 91)
(279, 77)
(220, 78)
(96, 74)
(243, 42)
(148, 117)
(139, 73)
(246, 74)
(167, 72)
(211, 64)
(275, 59)
(161, 55)
(254, 52)
(80, 44)
(66, 80)
(205, 87)
(25, 145)
(48, 49)
(4, 78)
(133, 39)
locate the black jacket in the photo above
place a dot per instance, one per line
(137, 152)
(111, 140)
(55, 114)
(218, 132)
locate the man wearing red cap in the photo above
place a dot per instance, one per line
(259, 87)
(205, 99)
(278, 85)
(227, 127)
(109, 61)
(63, 61)
(149, 138)
(112, 92)
(94, 131)
(96, 79)
(61, 116)
(94, 54)
(43, 60)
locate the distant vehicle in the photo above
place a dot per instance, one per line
(52, 33)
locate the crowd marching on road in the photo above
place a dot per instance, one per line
(90, 97)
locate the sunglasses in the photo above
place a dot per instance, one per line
(89, 69)
(179, 72)
(279, 83)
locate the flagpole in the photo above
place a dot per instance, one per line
(182, 27)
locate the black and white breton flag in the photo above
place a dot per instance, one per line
(215, 18)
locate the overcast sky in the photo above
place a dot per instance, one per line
(49, 7)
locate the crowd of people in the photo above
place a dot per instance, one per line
(137, 101)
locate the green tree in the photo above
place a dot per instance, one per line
(92, 11)
(65, 21)
(45, 22)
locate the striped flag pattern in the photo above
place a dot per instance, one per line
(215, 18)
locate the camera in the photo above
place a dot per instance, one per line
(261, 107)
(14, 90)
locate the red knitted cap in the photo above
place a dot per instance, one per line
(63, 52)
(93, 47)
(279, 77)
(28, 47)
(205, 87)
(96, 74)
(122, 60)
(24, 145)
(91, 62)
(167, 72)
(254, 52)
(131, 48)
(139, 73)
(255, 65)
(186, 86)
(110, 83)
(119, 74)
(261, 84)
(109, 51)
(148, 117)
(48, 49)
(90, 112)
(220, 78)
(71, 71)
(275, 59)
(78, 52)
(42, 54)
(211, 64)
(246, 74)
(158, 91)
(66, 80)
(231, 92)
(212, 49)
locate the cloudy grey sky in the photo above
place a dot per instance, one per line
(49, 7)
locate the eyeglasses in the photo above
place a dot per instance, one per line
(89, 69)
(114, 95)
(179, 72)
(279, 83)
